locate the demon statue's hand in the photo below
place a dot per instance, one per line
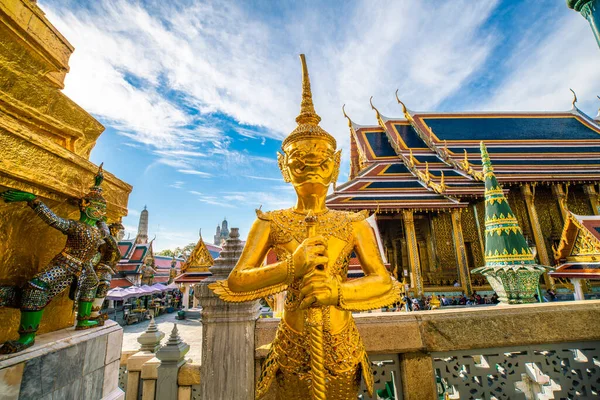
(12, 196)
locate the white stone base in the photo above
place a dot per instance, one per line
(66, 364)
(193, 313)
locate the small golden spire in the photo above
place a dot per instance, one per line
(574, 97)
(430, 134)
(427, 169)
(442, 183)
(466, 161)
(307, 115)
(412, 158)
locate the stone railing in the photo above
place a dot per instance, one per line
(159, 372)
(510, 352)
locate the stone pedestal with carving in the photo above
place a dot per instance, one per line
(228, 334)
(66, 364)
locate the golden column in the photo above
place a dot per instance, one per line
(561, 197)
(479, 230)
(461, 256)
(540, 243)
(590, 191)
(413, 250)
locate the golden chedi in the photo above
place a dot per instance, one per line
(317, 352)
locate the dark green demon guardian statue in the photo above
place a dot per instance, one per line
(70, 268)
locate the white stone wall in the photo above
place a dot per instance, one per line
(66, 364)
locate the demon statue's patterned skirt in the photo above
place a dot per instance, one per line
(288, 361)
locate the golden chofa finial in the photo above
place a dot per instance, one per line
(404, 110)
(574, 97)
(374, 108)
(347, 117)
(308, 115)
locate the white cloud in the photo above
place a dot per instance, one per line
(177, 184)
(194, 172)
(264, 178)
(541, 77)
(216, 57)
(270, 200)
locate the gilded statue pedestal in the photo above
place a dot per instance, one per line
(514, 284)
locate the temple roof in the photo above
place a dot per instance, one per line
(192, 277)
(163, 267)
(580, 239)
(589, 270)
(132, 256)
(579, 248)
(201, 258)
(435, 156)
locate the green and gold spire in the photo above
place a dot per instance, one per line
(504, 241)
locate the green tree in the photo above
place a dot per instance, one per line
(166, 252)
(178, 251)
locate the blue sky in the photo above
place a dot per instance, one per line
(197, 96)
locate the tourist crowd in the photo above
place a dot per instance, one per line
(426, 303)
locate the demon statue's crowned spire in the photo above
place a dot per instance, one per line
(317, 352)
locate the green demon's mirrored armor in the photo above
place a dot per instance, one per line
(70, 268)
(108, 257)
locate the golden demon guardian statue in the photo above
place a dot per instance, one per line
(71, 268)
(317, 352)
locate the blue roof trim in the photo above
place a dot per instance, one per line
(393, 185)
(543, 173)
(380, 144)
(398, 168)
(458, 151)
(427, 158)
(510, 128)
(447, 173)
(409, 136)
(390, 198)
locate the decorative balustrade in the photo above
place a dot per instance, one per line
(159, 372)
(532, 351)
(555, 371)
